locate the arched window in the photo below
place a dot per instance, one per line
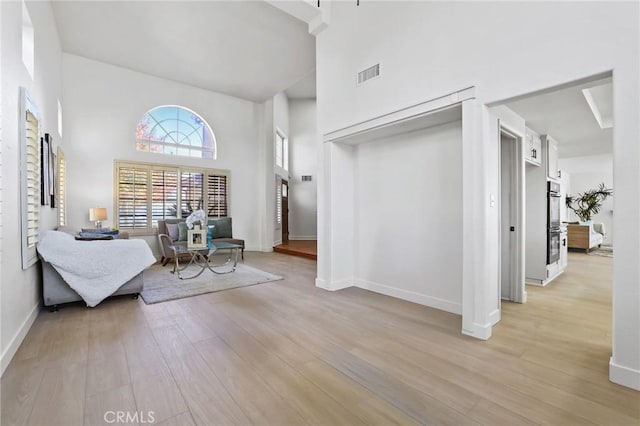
(175, 130)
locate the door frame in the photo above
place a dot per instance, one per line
(518, 293)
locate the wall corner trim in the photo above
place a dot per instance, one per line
(624, 376)
(334, 285)
(17, 339)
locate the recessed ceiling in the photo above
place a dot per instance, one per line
(566, 115)
(247, 49)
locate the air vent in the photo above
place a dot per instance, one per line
(369, 73)
(306, 178)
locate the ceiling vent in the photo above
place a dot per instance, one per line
(369, 73)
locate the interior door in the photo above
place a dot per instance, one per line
(512, 225)
(285, 211)
(507, 224)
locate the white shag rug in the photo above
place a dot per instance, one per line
(161, 285)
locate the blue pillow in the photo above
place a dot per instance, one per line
(182, 231)
(210, 231)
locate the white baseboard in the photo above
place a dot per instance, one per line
(482, 332)
(15, 343)
(303, 237)
(422, 299)
(624, 376)
(255, 248)
(494, 317)
(334, 285)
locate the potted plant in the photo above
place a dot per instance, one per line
(587, 204)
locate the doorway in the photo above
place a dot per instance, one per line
(511, 220)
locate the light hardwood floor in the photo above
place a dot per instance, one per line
(286, 353)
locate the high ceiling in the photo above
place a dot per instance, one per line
(247, 49)
(566, 115)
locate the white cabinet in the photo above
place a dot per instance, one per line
(532, 148)
(564, 249)
(552, 157)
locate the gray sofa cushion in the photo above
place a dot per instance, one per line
(222, 227)
(182, 231)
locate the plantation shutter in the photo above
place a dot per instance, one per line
(278, 203)
(133, 184)
(164, 195)
(191, 192)
(62, 188)
(217, 195)
(33, 181)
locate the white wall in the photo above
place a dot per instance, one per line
(21, 290)
(303, 160)
(103, 104)
(415, 51)
(408, 215)
(587, 173)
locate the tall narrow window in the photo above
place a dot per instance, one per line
(175, 130)
(29, 179)
(33, 181)
(59, 118)
(279, 144)
(133, 184)
(217, 195)
(191, 192)
(278, 203)
(164, 195)
(282, 150)
(62, 188)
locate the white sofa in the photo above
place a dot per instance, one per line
(585, 236)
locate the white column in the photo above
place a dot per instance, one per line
(624, 366)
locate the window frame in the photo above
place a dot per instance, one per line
(281, 151)
(29, 254)
(151, 229)
(213, 150)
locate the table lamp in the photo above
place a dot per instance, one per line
(97, 215)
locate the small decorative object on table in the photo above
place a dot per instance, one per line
(198, 216)
(196, 239)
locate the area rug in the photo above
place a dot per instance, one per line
(161, 285)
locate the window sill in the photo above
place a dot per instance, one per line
(140, 232)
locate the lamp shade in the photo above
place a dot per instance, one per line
(97, 213)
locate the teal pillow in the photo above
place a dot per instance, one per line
(222, 227)
(182, 231)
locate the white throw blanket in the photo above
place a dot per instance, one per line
(94, 269)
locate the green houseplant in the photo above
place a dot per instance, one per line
(587, 204)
